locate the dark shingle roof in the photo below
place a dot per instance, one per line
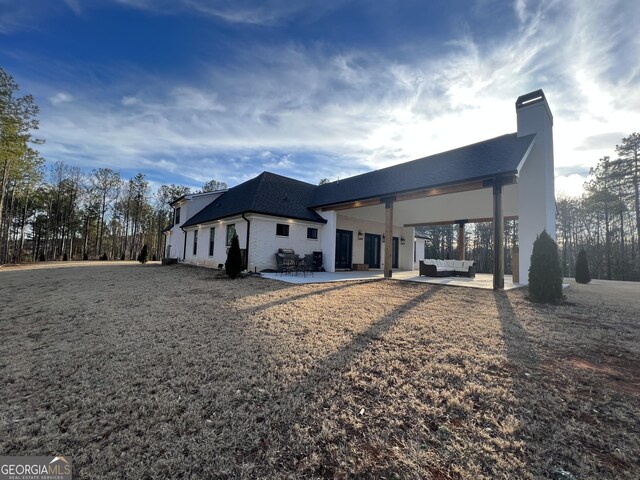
(497, 156)
(269, 194)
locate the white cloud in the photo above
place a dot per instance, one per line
(129, 101)
(74, 5)
(61, 97)
(350, 111)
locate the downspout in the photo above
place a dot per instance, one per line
(247, 243)
(184, 249)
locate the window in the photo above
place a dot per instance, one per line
(178, 216)
(231, 231)
(212, 236)
(195, 242)
(312, 233)
(282, 229)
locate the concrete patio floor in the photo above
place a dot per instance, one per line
(482, 280)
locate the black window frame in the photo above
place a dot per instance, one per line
(212, 239)
(312, 233)
(282, 226)
(177, 216)
(195, 242)
(231, 231)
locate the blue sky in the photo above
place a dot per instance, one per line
(189, 90)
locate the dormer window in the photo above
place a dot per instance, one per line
(177, 216)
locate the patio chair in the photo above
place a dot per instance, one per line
(307, 264)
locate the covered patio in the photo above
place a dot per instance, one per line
(371, 218)
(483, 281)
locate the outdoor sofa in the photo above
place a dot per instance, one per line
(447, 268)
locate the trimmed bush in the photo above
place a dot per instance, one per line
(154, 259)
(144, 255)
(85, 257)
(65, 257)
(122, 257)
(582, 268)
(42, 257)
(104, 257)
(545, 272)
(233, 265)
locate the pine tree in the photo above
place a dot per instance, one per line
(144, 254)
(233, 265)
(582, 268)
(545, 273)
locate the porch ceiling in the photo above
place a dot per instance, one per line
(441, 208)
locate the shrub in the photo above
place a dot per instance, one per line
(154, 258)
(42, 257)
(144, 255)
(104, 257)
(122, 257)
(582, 268)
(65, 257)
(233, 265)
(85, 257)
(545, 272)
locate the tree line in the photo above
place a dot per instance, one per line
(65, 213)
(605, 220)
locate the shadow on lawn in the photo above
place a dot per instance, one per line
(330, 367)
(337, 361)
(276, 285)
(519, 349)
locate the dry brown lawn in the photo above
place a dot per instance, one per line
(170, 372)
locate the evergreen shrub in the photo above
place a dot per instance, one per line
(144, 255)
(233, 265)
(582, 268)
(545, 272)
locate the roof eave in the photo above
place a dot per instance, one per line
(417, 189)
(258, 212)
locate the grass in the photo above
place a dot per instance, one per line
(170, 372)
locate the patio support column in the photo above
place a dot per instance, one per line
(461, 225)
(388, 234)
(498, 236)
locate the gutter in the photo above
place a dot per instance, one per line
(247, 242)
(184, 249)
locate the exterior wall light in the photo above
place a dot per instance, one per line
(360, 235)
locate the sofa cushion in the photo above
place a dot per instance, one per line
(444, 269)
(429, 261)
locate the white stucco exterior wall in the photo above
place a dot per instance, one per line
(264, 242)
(536, 194)
(189, 206)
(219, 256)
(406, 250)
(419, 244)
(328, 240)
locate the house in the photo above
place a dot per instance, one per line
(371, 218)
(183, 208)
